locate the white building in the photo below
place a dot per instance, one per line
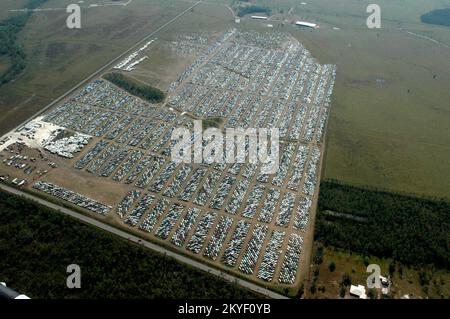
(307, 24)
(358, 291)
(259, 17)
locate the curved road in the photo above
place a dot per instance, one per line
(152, 246)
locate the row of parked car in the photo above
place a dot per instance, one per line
(136, 214)
(175, 186)
(271, 256)
(126, 203)
(127, 165)
(234, 247)
(99, 161)
(206, 188)
(152, 218)
(253, 201)
(237, 197)
(298, 167)
(191, 222)
(251, 254)
(218, 237)
(169, 221)
(301, 219)
(286, 209)
(72, 197)
(202, 58)
(192, 184)
(311, 174)
(289, 268)
(197, 240)
(186, 224)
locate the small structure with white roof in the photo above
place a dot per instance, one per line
(358, 291)
(307, 24)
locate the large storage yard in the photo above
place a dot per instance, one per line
(108, 153)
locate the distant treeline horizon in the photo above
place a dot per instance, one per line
(437, 17)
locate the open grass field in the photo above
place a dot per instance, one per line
(390, 113)
(389, 120)
(7, 5)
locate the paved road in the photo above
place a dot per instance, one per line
(135, 239)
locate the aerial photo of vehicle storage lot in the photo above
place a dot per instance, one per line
(86, 128)
(108, 153)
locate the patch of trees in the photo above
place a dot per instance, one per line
(253, 9)
(412, 230)
(37, 244)
(9, 28)
(438, 17)
(135, 87)
(212, 122)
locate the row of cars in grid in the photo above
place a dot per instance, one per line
(215, 236)
(197, 206)
(231, 84)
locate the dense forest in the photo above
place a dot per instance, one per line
(438, 17)
(253, 9)
(412, 230)
(135, 87)
(9, 28)
(37, 245)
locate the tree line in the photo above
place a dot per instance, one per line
(438, 17)
(37, 244)
(135, 87)
(9, 29)
(411, 230)
(253, 9)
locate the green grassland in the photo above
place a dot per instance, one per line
(6, 5)
(393, 134)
